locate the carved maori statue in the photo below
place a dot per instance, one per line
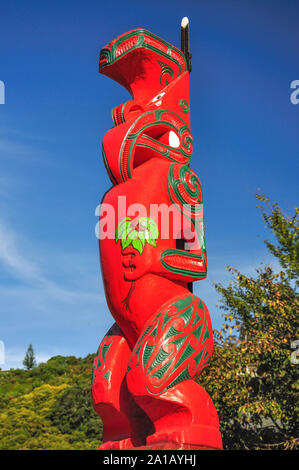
(143, 383)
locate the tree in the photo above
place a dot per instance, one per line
(252, 378)
(50, 407)
(29, 360)
(73, 411)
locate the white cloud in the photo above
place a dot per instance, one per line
(12, 258)
(62, 312)
(21, 267)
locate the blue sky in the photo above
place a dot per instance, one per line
(57, 109)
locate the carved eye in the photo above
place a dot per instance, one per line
(158, 97)
(174, 141)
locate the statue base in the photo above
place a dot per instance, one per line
(196, 438)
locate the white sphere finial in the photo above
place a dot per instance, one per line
(184, 22)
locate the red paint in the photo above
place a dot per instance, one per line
(143, 380)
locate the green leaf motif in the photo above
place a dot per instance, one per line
(122, 229)
(141, 237)
(137, 245)
(145, 231)
(133, 234)
(151, 242)
(125, 242)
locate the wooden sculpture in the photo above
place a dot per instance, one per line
(143, 383)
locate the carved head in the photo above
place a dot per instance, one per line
(156, 121)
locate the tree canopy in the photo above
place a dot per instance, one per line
(49, 407)
(252, 378)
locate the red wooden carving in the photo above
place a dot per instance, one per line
(143, 377)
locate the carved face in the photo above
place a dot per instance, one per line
(156, 122)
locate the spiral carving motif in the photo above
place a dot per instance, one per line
(139, 135)
(175, 346)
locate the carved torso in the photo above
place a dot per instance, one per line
(147, 186)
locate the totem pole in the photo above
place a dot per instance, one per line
(143, 383)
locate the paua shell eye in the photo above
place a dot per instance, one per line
(158, 97)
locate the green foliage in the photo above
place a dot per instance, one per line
(285, 230)
(29, 359)
(73, 410)
(252, 380)
(49, 407)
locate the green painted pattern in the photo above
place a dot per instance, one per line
(147, 354)
(193, 193)
(188, 350)
(160, 357)
(110, 54)
(184, 106)
(163, 370)
(121, 114)
(186, 339)
(107, 375)
(134, 136)
(100, 363)
(183, 272)
(108, 167)
(112, 116)
(166, 154)
(175, 183)
(165, 69)
(138, 345)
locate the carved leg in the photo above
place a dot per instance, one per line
(174, 348)
(108, 388)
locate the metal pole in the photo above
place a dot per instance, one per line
(185, 41)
